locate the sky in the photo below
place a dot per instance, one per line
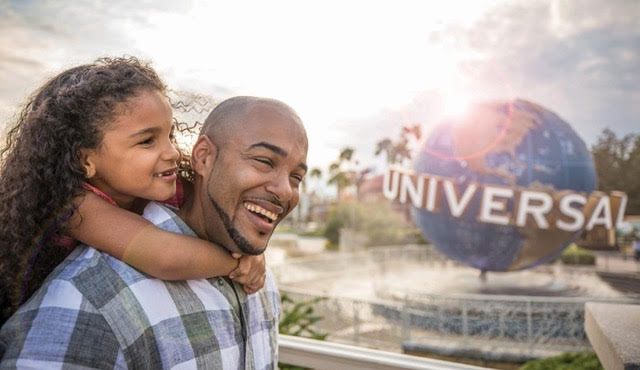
(354, 71)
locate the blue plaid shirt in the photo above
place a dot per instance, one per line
(94, 311)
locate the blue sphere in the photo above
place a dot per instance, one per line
(516, 144)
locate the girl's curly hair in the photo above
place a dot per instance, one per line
(41, 172)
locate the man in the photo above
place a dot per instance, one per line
(97, 312)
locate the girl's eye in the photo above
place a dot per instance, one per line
(147, 141)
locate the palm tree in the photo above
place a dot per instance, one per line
(339, 176)
(385, 146)
(359, 177)
(315, 173)
(399, 151)
(346, 154)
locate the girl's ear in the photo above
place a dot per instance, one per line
(87, 160)
(203, 155)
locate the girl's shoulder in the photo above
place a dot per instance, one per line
(175, 201)
(99, 193)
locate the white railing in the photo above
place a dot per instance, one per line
(321, 355)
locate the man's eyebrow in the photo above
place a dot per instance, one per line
(276, 149)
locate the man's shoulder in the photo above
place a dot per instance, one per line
(83, 257)
(59, 289)
(159, 213)
(82, 281)
(164, 217)
(271, 295)
(59, 316)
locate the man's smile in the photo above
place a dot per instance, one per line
(270, 216)
(263, 214)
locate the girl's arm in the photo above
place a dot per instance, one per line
(159, 253)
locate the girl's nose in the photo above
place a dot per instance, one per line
(171, 153)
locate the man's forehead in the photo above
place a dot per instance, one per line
(283, 143)
(261, 120)
(271, 114)
(268, 123)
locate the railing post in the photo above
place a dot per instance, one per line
(465, 323)
(440, 319)
(501, 323)
(406, 325)
(356, 322)
(529, 326)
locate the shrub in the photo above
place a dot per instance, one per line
(376, 220)
(566, 361)
(575, 255)
(330, 246)
(297, 319)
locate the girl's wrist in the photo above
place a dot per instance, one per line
(231, 274)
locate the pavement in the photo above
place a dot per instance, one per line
(615, 262)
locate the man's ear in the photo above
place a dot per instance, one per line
(88, 162)
(203, 155)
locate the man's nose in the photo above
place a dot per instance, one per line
(280, 186)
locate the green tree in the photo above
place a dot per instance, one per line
(340, 171)
(338, 178)
(346, 154)
(617, 163)
(345, 172)
(399, 151)
(315, 172)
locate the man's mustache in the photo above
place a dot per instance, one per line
(284, 206)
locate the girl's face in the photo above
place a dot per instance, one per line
(136, 158)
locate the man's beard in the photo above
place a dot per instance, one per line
(234, 234)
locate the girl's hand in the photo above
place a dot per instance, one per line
(251, 272)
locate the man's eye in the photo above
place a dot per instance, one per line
(264, 161)
(297, 179)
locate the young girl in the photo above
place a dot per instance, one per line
(97, 132)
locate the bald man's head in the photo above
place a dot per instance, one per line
(249, 162)
(232, 114)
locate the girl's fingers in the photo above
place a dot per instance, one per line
(235, 273)
(258, 283)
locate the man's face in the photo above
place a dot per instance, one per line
(254, 181)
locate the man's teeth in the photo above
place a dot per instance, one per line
(257, 209)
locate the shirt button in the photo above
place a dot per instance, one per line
(220, 282)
